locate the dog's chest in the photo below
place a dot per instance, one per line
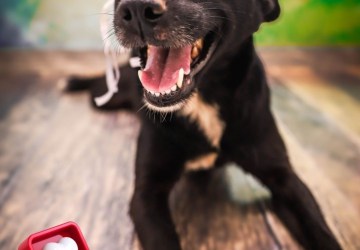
(206, 117)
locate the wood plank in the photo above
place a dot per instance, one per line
(333, 102)
(56, 144)
(341, 215)
(57, 152)
(333, 151)
(327, 98)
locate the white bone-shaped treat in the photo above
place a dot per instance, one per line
(65, 243)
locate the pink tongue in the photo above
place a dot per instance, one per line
(163, 66)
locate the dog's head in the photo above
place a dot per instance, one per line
(177, 38)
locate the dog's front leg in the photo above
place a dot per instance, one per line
(157, 169)
(292, 201)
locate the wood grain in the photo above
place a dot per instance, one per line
(60, 160)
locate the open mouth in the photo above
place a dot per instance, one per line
(167, 74)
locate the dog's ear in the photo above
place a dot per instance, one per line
(270, 9)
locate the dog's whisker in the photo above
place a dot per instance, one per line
(222, 17)
(171, 115)
(105, 13)
(108, 36)
(142, 107)
(162, 117)
(219, 9)
(111, 29)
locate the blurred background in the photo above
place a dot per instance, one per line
(74, 25)
(61, 160)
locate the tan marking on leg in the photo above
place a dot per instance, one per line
(207, 118)
(203, 162)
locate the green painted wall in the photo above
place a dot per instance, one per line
(314, 22)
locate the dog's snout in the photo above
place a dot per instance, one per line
(162, 23)
(141, 14)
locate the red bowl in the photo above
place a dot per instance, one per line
(37, 241)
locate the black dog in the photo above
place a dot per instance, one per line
(198, 63)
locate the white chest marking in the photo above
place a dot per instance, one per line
(206, 116)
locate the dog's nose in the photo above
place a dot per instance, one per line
(141, 14)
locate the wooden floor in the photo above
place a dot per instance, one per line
(60, 160)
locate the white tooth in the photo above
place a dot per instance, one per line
(157, 94)
(140, 74)
(152, 92)
(180, 78)
(135, 62)
(199, 43)
(174, 88)
(194, 52)
(168, 91)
